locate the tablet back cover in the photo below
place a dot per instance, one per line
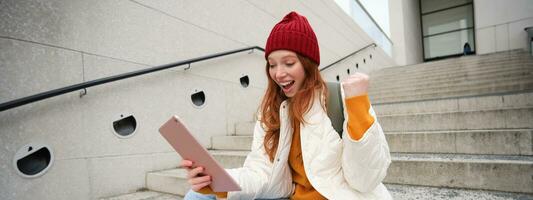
(189, 148)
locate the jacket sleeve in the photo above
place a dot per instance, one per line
(365, 161)
(254, 176)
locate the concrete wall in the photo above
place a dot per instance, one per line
(366, 61)
(95, 162)
(45, 45)
(405, 32)
(500, 24)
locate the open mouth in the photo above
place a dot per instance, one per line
(286, 85)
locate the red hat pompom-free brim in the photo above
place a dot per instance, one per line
(294, 33)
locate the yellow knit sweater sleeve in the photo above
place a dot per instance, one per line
(359, 118)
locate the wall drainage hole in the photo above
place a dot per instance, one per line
(33, 160)
(125, 126)
(198, 98)
(245, 81)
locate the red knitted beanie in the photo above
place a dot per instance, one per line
(294, 33)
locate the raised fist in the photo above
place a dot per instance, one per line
(355, 85)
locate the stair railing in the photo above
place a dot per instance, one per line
(349, 55)
(82, 86)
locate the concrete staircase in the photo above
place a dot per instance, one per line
(460, 128)
(465, 76)
(460, 123)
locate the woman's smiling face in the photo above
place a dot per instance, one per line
(286, 70)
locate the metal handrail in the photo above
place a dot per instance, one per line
(84, 85)
(349, 55)
(56, 92)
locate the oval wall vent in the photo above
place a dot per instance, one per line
(198, 98)
(245, 81)
(124, 126)
(33, 160)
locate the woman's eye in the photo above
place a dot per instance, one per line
(290, 64)
(271, 66)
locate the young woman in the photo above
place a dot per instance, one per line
(295, 152)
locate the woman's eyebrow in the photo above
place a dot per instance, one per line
(288, 56)
(282, 57)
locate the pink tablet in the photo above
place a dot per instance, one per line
(189, 148)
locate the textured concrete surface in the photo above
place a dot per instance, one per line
(176, 180)
(489, 102)
(65, 179)
(502, 173)
(232, 142)
(80, 129)
(144, 195)
(463, 76)
(489, 172)
(407, 192)
(245, 128)
(453, 74)
(504, 142)
(172, 181)
(125, 173)
(27, 69)
(519, 118)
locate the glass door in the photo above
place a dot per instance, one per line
(447, 28)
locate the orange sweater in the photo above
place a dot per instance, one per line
(359, 120)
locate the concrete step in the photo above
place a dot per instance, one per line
(453, 63)
(470, 71)
(145, 195)
(468, 103)
(244, 128)
(494, 142)
(409, 192)
(173, 181)
(485, 172)
(398, 191)
(453, 69)
(453, 81)
(240, 142)
(380, 84)
(520, 118)
(497, 142)
(472, 85)
(228, 158)
(512, 87)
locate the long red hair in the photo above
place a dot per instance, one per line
(299, 104)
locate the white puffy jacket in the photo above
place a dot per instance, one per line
(337, 168)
